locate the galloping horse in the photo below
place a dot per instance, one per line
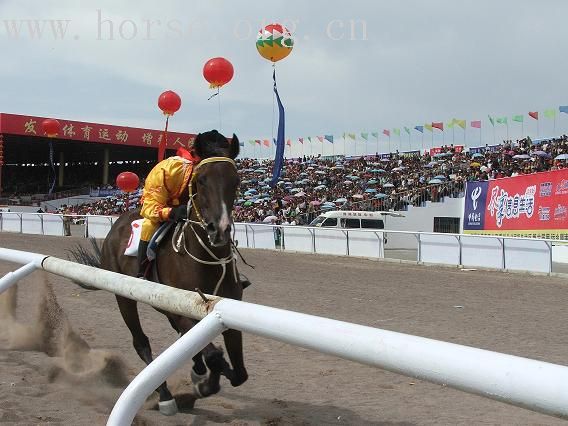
(204, 261)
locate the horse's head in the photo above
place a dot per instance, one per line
(215, 182)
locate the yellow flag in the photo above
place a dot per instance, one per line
(428, 126)
(460, 123)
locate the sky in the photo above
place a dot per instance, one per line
(356, 67)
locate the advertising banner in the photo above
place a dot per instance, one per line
(534, 205)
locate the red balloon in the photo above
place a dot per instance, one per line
(169, 102)
(218, 72)
(127, 181)
(51, 127)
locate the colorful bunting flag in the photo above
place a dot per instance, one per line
(365, 136)
(533, 114)
(251, 141)
(320, 138)
(406, 129)
(266, 142)
(258, 141)
(375, 134)
(518, 118)
(396, 131)
(352, 135)
(386, 133)
(476, 124)
(460, 123)
(450, 125)
(242, 143)
(428, 127)
(301, 140)
(289, 142)
(419, 128)
(329, 138)
(439, 125)
(550, 113)
(563, 108)
(491, 120)
(310, 138)
(501, 120)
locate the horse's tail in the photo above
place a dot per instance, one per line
(85, 256)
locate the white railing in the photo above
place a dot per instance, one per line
(487, 251)
(535, 385)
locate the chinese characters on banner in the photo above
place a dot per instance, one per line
(533, 205)
(438, 150)
(93, 132)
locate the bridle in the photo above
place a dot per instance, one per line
(178, 238)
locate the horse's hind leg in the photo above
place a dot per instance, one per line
(234, 344)
(129, 311)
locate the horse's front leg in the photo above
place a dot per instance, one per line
(234, 344)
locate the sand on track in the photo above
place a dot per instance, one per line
(65, 354)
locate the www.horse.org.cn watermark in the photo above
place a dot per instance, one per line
(109, 28)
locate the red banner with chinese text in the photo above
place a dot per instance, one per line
(24, 125)
(438, 150)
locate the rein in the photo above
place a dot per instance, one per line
(179, 240)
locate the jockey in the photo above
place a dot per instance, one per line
(163, 188)
(160, 201)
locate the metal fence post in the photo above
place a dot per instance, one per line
(549, 245)
(460, 253)
(419, 247)
(346, 233)
(504, 253)
(21, 216)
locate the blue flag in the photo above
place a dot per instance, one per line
(328, 138)
(280, 144)
(419, 128)
(563, 108)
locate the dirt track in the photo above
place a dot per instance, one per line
(517, 314)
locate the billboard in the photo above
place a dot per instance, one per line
(534, 205)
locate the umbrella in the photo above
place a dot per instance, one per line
(247, 203)
(398, 169)
(320, 187)
(370, 190)
(434, 181)
(269, 219)
(240, 200)
(388, 185)
(372, 181)
(315, 203)
(347, 182)
(477, 155)
(521, 157)
(341, 200)
(542, 154)
(561, 157)
(378, 171)
(357, 196)
(288, 198)
(380, 196)
(441, 177)
(300, 194)
(320, 172)
(296, 190)
(475, 164)
(354, 177)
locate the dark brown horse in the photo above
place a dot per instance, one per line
(204, 259)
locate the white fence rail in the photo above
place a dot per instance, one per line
(504, 253)
(536, 385)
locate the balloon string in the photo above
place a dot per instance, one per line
(219, 105)
(273, 104)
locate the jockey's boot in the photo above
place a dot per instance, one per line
(244, 280)
(142, 259)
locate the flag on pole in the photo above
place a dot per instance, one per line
(439, 125)
(476, 124)
(242, 143)
(550, 113)
(320, 138)
(518, 118)
(491, 120)
(406, 129)
(329, 138)
(258, 141)
(365, 136)
(310, 138)
(396, 131)
(419, 128)
(266, 142)
(386, 133)
(251, 141)
(301, 140)
(533, 114)
(289, 142)
(428, 127)
(352, 135)
(563, 108)
(450, 125)
(460, 123)
(375, 134)
(501, 120)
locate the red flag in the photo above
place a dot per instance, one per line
(257, 141)
(301, 140)
(476, 124)
(266, 142)
(438, 126)
(534, 114)
(320, 138)
(386, 133)
(289, 142)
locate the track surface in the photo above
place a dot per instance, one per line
(517, 314)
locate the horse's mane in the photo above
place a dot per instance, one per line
(214, 144)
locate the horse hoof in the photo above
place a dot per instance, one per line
(168, 408)
(197, 378)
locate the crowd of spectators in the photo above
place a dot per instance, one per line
(394, 181)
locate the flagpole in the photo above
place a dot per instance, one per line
(344, 149)
(390, 151)
(522, 128)
(480, 143)
(377, 143)
(537, 132)
(422, 142)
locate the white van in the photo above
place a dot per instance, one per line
(353, 219)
